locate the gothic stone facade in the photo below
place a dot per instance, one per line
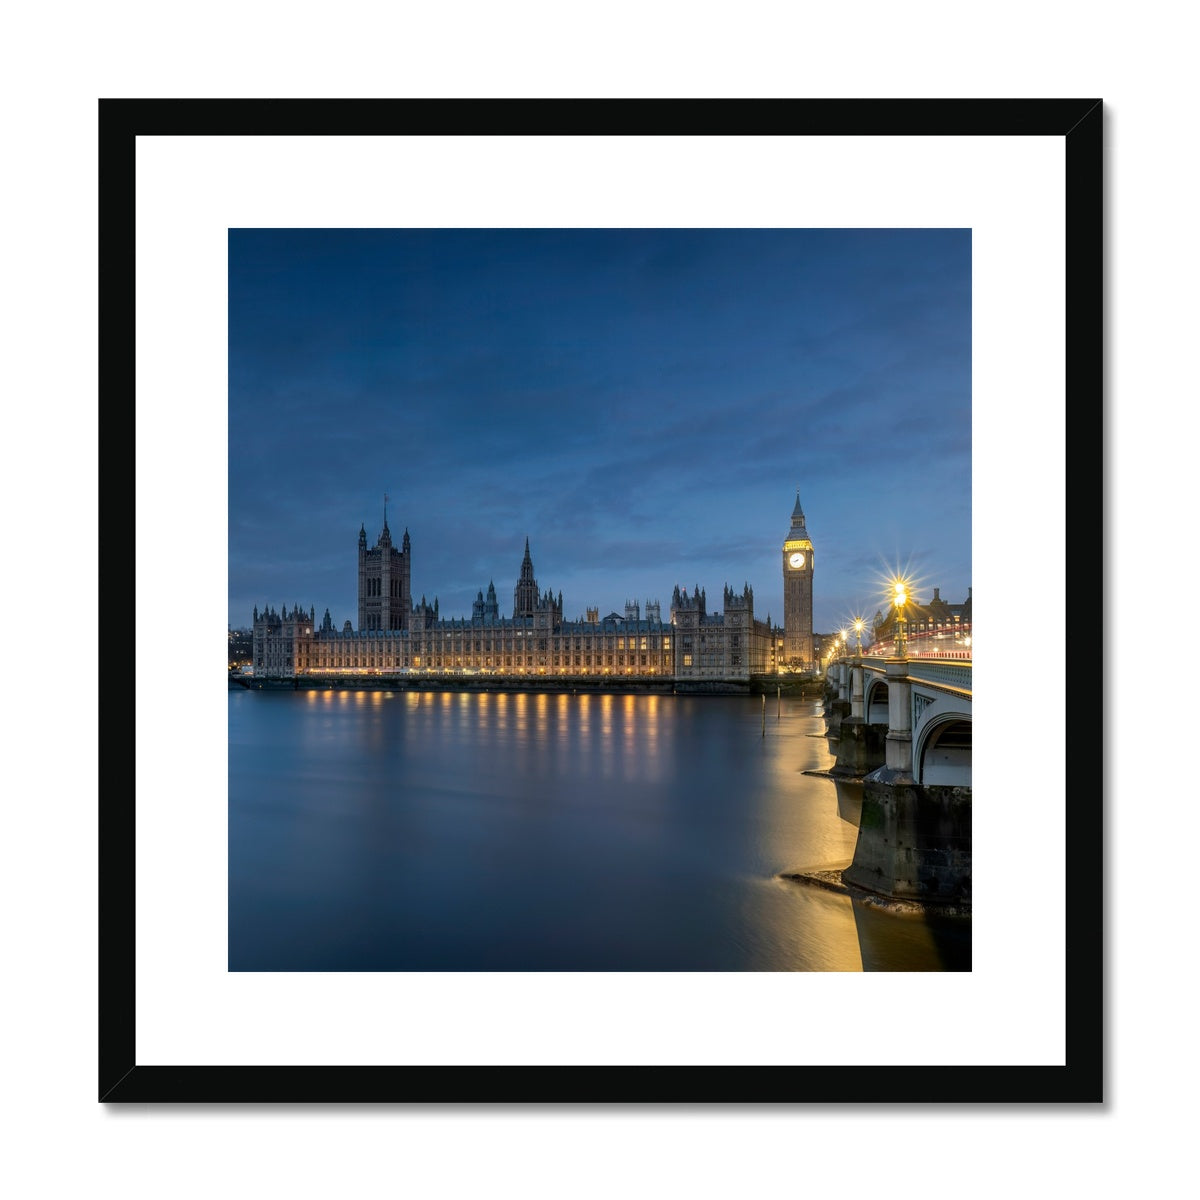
(395, 636)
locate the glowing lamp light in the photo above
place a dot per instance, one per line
(900, 598)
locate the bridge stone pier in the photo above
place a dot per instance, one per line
(856, 743)
(904, 728)
(837, 698)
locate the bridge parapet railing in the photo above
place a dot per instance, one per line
(951, 674)
(956, 675)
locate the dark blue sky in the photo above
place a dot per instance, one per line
(643, 404)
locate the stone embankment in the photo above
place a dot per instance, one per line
(528, 683)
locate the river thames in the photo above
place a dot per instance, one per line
(510, 831)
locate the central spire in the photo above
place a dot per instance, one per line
(525, 594)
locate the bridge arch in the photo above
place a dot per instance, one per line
(942, 749)
(875, 700)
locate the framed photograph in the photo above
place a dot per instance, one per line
(597, 494)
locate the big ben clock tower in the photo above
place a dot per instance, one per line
(798, 593)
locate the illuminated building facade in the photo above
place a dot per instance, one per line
(395, 636)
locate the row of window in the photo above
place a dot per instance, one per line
(460, 650)
(449, 659)
(456, 643)
(375, 587)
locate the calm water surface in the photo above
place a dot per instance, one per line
(377, 831)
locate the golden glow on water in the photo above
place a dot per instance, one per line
(838, 948)
(649, 727)
(608, 753)
(828, 840)
(631, 769)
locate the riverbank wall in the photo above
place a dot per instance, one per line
(530, 683)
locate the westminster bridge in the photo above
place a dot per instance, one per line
(902, 727)
(911, 715)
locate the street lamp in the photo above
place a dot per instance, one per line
(899, 599)
(858, 628)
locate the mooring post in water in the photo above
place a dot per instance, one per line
(764, 732)
(778, 701)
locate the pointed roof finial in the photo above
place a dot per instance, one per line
(798, 529)
(385, 504)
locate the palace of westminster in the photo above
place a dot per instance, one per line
(397, 637)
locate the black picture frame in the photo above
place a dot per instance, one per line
(1078, 123)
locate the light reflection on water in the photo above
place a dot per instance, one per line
(514, 831)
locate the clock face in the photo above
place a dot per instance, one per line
(797, 559)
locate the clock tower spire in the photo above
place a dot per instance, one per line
(798, 593)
